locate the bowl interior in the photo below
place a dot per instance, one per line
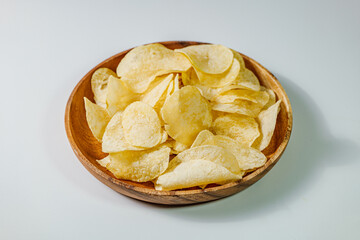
(87, 148)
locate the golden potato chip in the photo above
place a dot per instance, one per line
(209, 58)
(177, 147)
(242, 128)
(104, 162)
(222, 79)
(114, 138)
(139, 166)
(272, 97)
(238, 57)
(211, 153)
(247, 79)
(141, 125)
(190, 78)
(231, 96)
(240, 107)
(97, 118)
(99, 82)
(170, 89)
(152, 96)
(248, 158)
(142, 64)
(205, 137)
(164, 136)
(176, 83)
(193, 173)
(118, 95)
(267, 121)
(186, 113)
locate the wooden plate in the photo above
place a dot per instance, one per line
(88, 150)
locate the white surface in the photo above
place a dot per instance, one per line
(312, 47)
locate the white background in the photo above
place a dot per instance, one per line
(313, 47)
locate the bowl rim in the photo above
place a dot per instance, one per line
(274, 157)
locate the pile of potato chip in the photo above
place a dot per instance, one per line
(181, 118)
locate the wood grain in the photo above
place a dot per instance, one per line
(88, 149)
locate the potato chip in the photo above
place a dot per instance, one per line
(142, 64)
(153, 96)
(272, 97)
(248, 158)
(139, 166)
(205, 137)
(104, 162)
(177, 147)
(176, 83)
(190, 78)
(222, 79)
(118, 95)
(211, 153)
(209, 58)
(231, 96)
(114, 139)
(240, 107)
(186, 113)
(99, 82)
(267, 121)
(97, 118)
(238, 57)
(170, 89)
(141, 125)
(247, 79)
(193, 173)
(242, 128)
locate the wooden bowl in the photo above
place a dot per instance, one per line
(88, 149)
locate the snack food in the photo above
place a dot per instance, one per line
(181, 118)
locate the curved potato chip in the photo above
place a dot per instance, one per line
(141, 125)
(190, 78)
(272, 97)
(142, 64)
(240, 107)
(247, 79)
(153, 96)
(175, 146)
(222, 79)
(260, 97)
(104, 162)
(114, 139)
(97, 118)
(99, 82)
(205, 137)
(118, 95)
(186, 113)
(242, 128)
(267, 120)
(176, 83)
(238, 57)
(209, 58)
(193, 173)
(211, 153)
(248, 158)
(139, 166)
